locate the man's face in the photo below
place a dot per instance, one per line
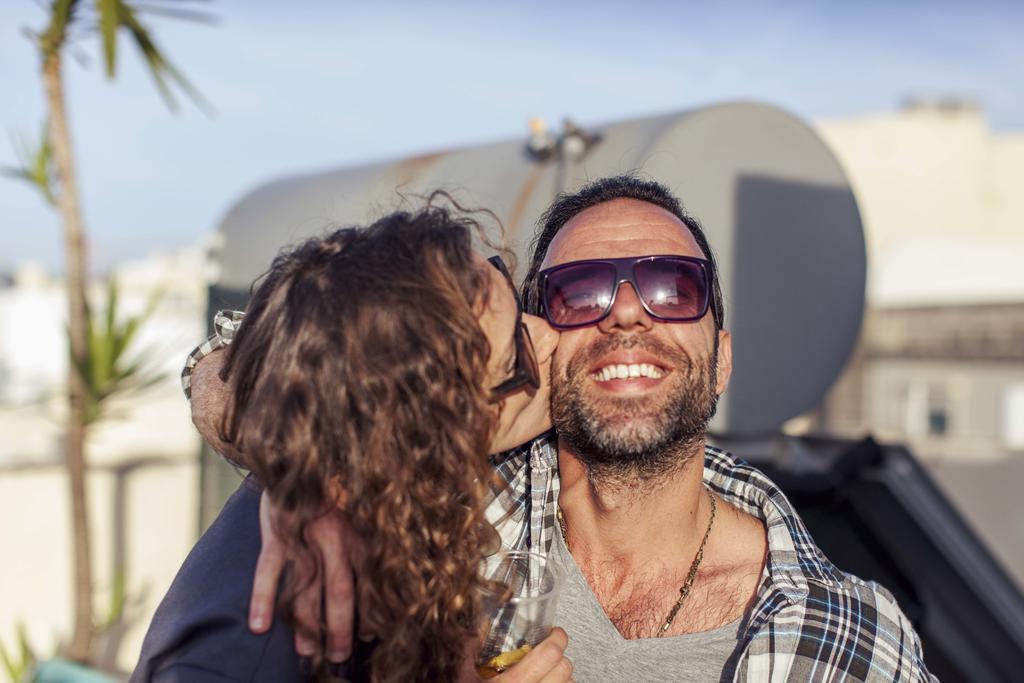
(633, 424)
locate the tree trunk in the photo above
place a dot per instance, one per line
(75, 265)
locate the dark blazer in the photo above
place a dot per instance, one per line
(200, 631)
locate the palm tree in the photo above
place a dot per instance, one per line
(61, 189)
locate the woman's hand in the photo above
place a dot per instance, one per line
(331, 534)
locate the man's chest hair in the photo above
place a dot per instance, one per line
(638, 605)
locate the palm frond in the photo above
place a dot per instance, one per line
(174, 13)
(10, 665)
(17, 173)
(37, 165)
(19, 661)
(62, 16)
(108, 12)
(112, 366)
(118, 601)
(160, 68)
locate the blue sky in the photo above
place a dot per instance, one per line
(305, 85)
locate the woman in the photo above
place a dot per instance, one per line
(373, 372)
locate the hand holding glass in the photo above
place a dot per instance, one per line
(520, 608)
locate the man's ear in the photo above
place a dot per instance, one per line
(724, 371)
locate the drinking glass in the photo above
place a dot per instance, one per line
(519, 607)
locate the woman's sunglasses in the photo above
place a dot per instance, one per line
(526, 372)
(580, 293)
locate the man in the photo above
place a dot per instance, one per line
(681, 562)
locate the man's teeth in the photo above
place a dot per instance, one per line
(622, 371)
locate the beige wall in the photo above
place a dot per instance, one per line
(943, 208)
(928, 173)
(1006, 203)
(934, 182)
(158, 527)
(143, 478)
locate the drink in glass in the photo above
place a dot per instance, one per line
(519, 607)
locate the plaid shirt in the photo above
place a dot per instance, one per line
(809, 622)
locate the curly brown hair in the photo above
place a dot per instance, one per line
(360, 361)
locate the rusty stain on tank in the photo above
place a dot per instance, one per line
(523, 198)
(409, 169)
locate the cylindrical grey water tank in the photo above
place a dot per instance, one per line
(777, 208)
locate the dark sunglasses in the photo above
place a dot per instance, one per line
(526, 372)
(580, 293)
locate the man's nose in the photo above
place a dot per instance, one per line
(628, 313)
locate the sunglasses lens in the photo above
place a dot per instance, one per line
(673, 289)
(579, 294)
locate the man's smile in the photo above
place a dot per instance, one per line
(629, 371)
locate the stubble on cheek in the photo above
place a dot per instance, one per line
(601, 422)
(625, 439)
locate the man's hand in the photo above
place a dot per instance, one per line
(331, 535)
(546, 663)
(209, 398)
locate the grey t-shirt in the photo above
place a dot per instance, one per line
(600, 653)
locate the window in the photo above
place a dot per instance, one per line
(938, 411)
(928, 410)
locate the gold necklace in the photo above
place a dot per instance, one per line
(684, 590)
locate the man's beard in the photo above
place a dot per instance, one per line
(621, 440)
